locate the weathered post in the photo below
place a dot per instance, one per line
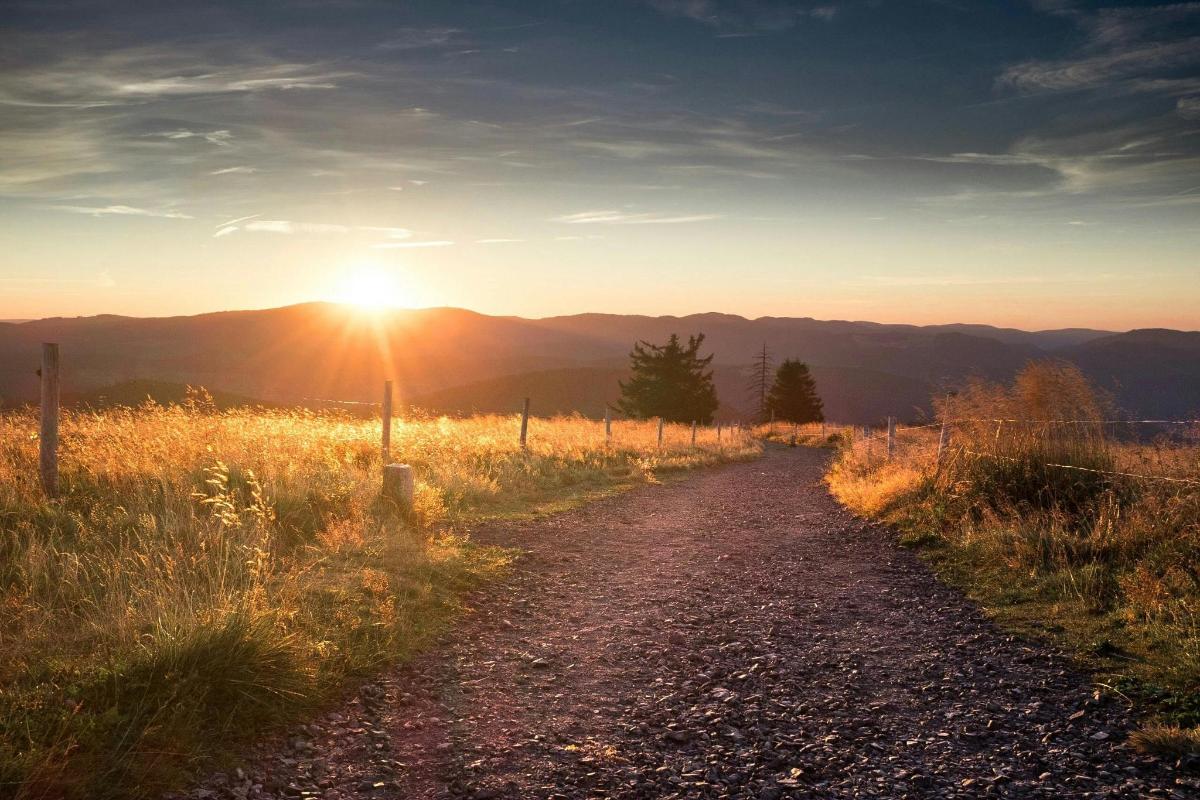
(660, 432)
(399, 484)
(525, 424)
(822, 429)
(387, 422)
(718, 433)
(607, 425)
(48, 441)
(693, 433)
(891, 447)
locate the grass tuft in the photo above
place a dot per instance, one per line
(1170, 741)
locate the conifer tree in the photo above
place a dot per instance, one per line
(793, 397)
(670, 381)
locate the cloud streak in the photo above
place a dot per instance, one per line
(1134, 49)
(611, 217)
(407, 245)
(121, 211)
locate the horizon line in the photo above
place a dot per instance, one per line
(376, 311)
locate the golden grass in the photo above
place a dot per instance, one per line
(1166, 740)
(1033, 520)
(207, 575)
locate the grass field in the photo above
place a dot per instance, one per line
(210, 574)
(1034, 520)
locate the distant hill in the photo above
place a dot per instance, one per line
(460, 360)
(134, 393)
(1047, 340)
(1153, 372)
(584, 390)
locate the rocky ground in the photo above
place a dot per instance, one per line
(733, 635)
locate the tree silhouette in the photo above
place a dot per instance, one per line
(760, 383)
(793, 397)
(670, 381)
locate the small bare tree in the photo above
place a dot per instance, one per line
(759, 384)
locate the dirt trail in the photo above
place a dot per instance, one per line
(732, 635)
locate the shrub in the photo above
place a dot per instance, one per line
(1036, 510)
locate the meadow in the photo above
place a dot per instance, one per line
(1063, 523)
(209, 575)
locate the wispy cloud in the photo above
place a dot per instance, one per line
(252, 224)
(239, 219)
(281, 77)
(220, 138)
(122, 77)
(287, 226)
(1121, 64)
(419, 38)
(239, 170)
(611, 217)
(1132, 48)
(405, 245)
(121, 211)
(497, 241)
(744, 19)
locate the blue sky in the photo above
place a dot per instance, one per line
(1034, 164)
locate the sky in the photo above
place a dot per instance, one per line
(1034, 165)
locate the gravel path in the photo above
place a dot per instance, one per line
(734, 635)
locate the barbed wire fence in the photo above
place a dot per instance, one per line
(398, 479)
(914, 443)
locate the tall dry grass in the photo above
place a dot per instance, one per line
(207, 574)
(1047, 509)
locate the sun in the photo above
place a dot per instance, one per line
(369, 286)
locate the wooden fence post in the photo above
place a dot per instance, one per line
(718, 433)
(48, 441)
(891, 449)
(660, 432)
(387, 422)
(525, 424)
(693, 433)
(607, 424)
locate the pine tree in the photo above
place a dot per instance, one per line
(670, 381)
(760, 383)
(793, 397)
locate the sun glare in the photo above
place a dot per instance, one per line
(370, 287)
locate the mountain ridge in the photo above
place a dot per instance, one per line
(284, 354)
